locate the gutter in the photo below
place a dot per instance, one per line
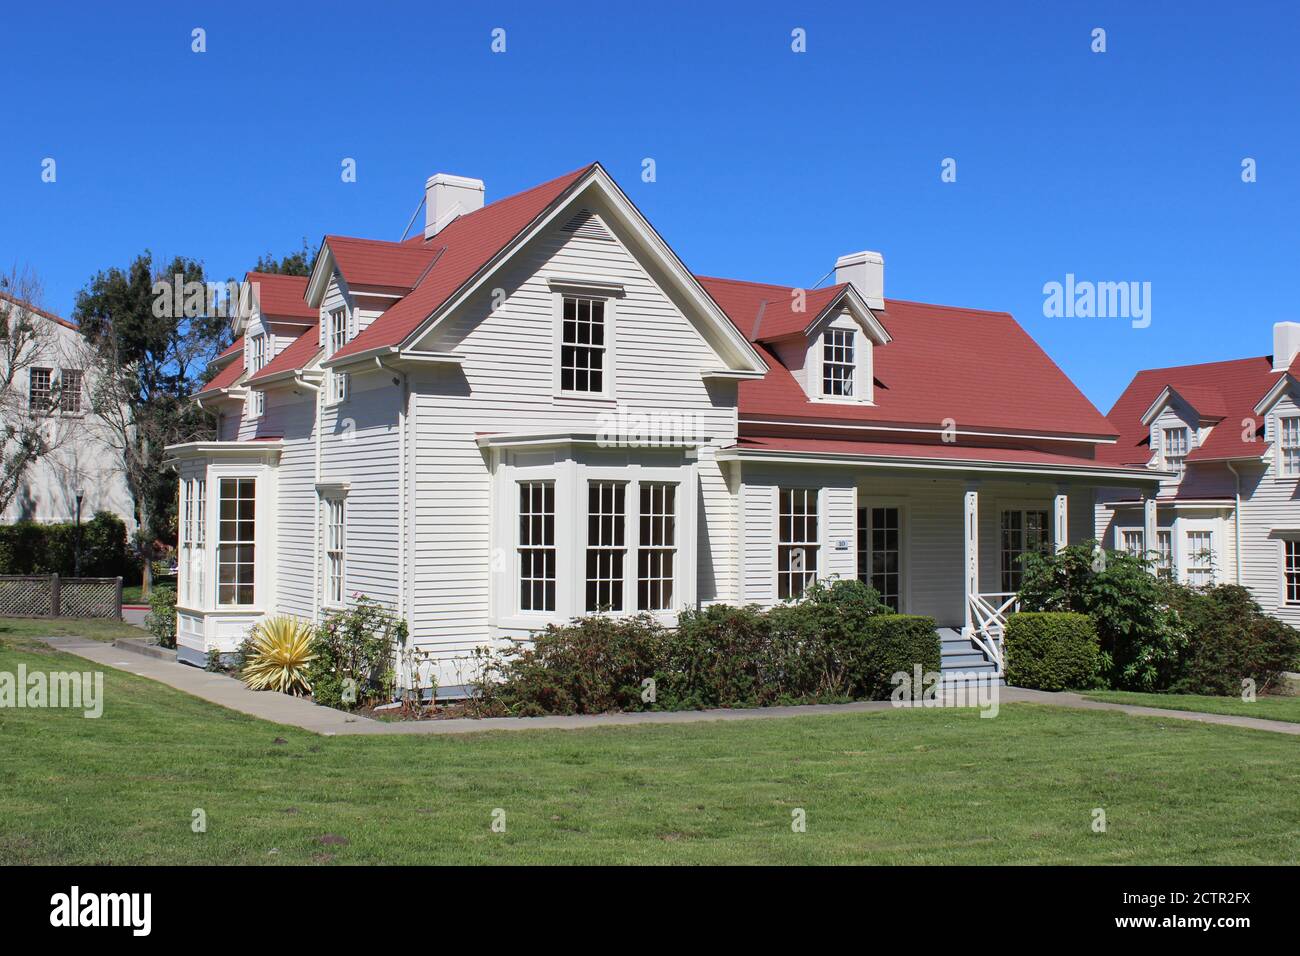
(1236, 521)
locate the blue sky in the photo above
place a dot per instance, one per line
(1115, 166)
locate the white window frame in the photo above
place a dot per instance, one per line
(833, 338)
(1166, 566)
(661, 546)
(338, 384)
(608, 296)
(1023, 508)
(542, 544)
(223, 542)
(799, 543)
(1288, 446)
(864, 567)
(1123, 543)
(1194, 566)
(257, 350)
(335, 519)
(608, 547)
(1175, 463)
(1290, 568)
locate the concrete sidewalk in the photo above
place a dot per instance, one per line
(296, 712)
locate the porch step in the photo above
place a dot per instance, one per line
(960, 654)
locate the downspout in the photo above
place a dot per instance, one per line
(1236, 522)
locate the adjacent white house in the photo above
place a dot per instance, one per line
(50, 382)
(535, 410)
(1228, 436)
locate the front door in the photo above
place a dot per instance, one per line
(880, 554)
(1023, 530)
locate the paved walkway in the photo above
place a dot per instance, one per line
(296, 712)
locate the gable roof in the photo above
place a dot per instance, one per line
(774, 307)
(228, 353)
(224, 379)
(941, 363)
(28, 307)
(1226, 389)
(294, 357)
(376, 263)
(461, 249)
(282, 297)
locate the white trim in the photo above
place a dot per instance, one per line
(867, 426)
(608, 348)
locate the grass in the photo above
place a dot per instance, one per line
(134, 593)
(923, 786)
(27, 629)
(1267, 708)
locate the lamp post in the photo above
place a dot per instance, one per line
(77, 571)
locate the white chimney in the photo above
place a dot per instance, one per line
(1286, 343)
(865, 271)
(446, 197)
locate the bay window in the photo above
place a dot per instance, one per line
(658, 546)
(537, 546)
(606, 544)
(335, 551)
(236, 541)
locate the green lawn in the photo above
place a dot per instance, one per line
(924, 786)
(25, 629)
(1268, 708)
(133, 593)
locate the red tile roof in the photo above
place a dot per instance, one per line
(283, 297)
(980, 369)
(377, 263)
(935, 451)
(294, 356)
(465, 246)
(1227, 389)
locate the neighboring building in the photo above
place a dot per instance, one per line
(1228, 434)
(534, 410)
(55, 384)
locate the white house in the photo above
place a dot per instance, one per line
(534, 410)
(50, 381)
(1228, 435)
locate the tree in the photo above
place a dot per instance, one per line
(295, 264)
(152, 333)
(30, 424)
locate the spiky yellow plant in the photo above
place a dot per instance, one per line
(279, 656)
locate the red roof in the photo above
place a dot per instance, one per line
(980, 369)
(770, 309)
(229, 352)
(935, 451)
(293, 356)
(376, 263)
(283, 297)
(28, 307)
(223, 379)
(463, 248)
(1229, 390)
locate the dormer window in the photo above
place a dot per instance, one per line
(839, 363)
(256, 362)
(337, 338)
(1175, 449)
(1288, 434)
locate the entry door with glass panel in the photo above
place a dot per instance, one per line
(1023, 530)
(880, 552)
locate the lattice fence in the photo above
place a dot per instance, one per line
(52, 596)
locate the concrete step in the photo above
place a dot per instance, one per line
(146, 647)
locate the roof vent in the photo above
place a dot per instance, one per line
(587, 225)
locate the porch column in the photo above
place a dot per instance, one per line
(1148, 522)
(970, 548)
(1061, 517)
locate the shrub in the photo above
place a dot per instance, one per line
(720, 656)
(1231, 639)
(30, 547)
(591, 665)
(281, 654)
(1140, 635)
(1052, 650)
(896, 643)
(358, 645)
(161, 620)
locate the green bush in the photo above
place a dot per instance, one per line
(30, 547)
(1231, 639)
(1141, 636)
(896, 643)
(1053, 650)
(161, 620)
(360, 645)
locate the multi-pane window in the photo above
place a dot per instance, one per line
(336, 339)
(39, 382)
(335, 550)
(1200, 558)
(1022, 532)
(798, 541)
(582, 346)
(606, 544)
(256, 362)
(1291, 570)
(838, 363)
(1165, 554)
(236, 540)
(1175, 449)
(879, 554)
(70, 387)
(1288, 435)
(657, 548)
(536, 546)
(193, 537)
(1132, 541)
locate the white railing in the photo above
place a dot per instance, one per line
(988, 622)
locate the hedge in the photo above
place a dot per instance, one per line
(1051, 650)
(30, 547)
(1229, 640)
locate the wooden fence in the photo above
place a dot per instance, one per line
(49, 595)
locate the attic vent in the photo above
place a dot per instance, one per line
(587, 225)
